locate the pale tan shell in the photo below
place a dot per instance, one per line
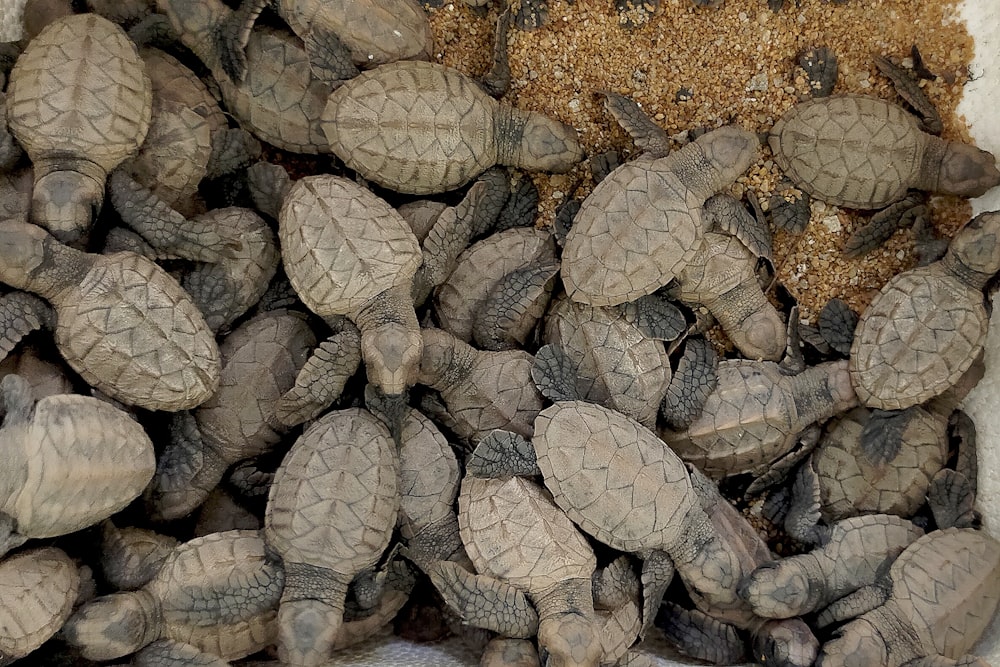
(79, 460)
(428, 475)
(512, 531)
(37, 590)
(612, 476)
(158, 353)
(343, 245)
(81, 90)
(920, 333)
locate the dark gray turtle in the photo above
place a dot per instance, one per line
(926, 326)
(434, 129)
(756, 413)
(643, 223)
(932, 605)
(218, 593)
(863, 152)
(260, 361)
(483, 390)
(121, 322)
(38, 588)
(852, 554)
(279, 100)
(72, 462)
(789, 642)
(330, 515)
(341, 36)
(79, 102)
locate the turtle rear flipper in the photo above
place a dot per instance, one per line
(531, 14)
(725, 213)
(485, 602)
(952, 500)
(657, 317)
(329, 59)
(700, 636)
(20, 314)
(802, 521)
(657, 573)
(555, 374)
(782, 466)
(231, 37)
(233, 148)
(497, 80)
(837, 323)
(942, 661)
(820, 66)
(882, 435)
(502, 454)
(322, 379)
(792, 215)
(172, 653)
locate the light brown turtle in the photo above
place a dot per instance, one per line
(339, 36)
(72, 462)
(260, 361)
(933, 604)
(927, 326)
(218, 593)
(643, 223)
(279, 101)
(38, 588)
(854, 552)
(79, 102)
(863, 152)
(121, 321)
(482, 390)
(756, 412)
(419, 128)
(347, 252)
(330, 514)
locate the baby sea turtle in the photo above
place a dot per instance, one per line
(218, 594)
(863, 152)
(932, 604)
(330, 514)
(347, 252)
(260, 360)
(419, 128)
(72, 461)
(927, 326)
(643, 223)
(853, 553)
(280, 100)
(79, 102)
(483, 390)
(38, 588)
(121, 321)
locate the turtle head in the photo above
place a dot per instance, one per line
(113, 626)
(391, 353)
(779, 590)
(23, 250)
(966, 171)
(786, 643)
(859, 644)
(570, 640)
(545, 144)
(65, 203)
(977, 245)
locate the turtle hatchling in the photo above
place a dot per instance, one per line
(419, 128)
(863, 152)
(933, 605)
(927, 326)
(121, 321)
(70, 462)
(80, 102)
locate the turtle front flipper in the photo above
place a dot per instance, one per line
(555, 374)
(230, 37)
(657, 573)
(700, 636)
(696, 377)
(803, 520)
(514, 305)
(503, 454)
(900, 215)
(20, 314)
(725, 213)
(952, 500)
(852, 605)
(909, 89)
(647, 135)
(329, 58)
(485, 602)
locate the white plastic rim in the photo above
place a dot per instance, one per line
(983, 404)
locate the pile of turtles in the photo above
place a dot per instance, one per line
(251, 412)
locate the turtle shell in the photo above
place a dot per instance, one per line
(428, 475)
(947, 585)
(334, 500)
(131, 331)
(632, 235)
(612, 476)
(220, 593)
(412, 126)
(849, 150)
(746, 422)
(512, 531)
(82, 460)
(920, 333)
(616, 364)
(342, 245)
(80, 89)
(37, 590)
